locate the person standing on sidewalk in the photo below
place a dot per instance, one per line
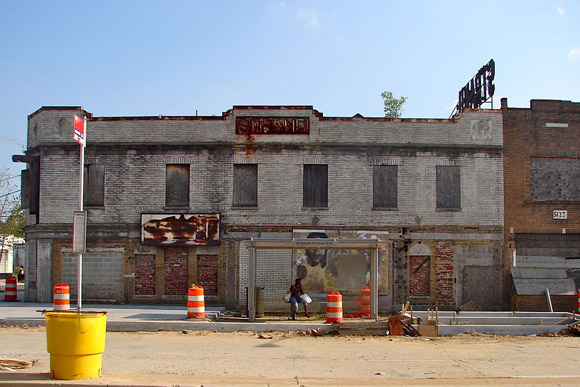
(21, 274)
(296, 297)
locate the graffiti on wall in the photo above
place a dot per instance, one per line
(320, 269)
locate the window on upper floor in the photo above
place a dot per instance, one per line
(177, 185)
(554, 179)
(448, 187)
(315, 186)
(94, 185)
(245, 185)
(385, 186)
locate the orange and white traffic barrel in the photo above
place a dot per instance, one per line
(195, 302)
(61, 297)
(11, 289)
(334, 307)
(364, 302)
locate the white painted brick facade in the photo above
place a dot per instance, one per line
(135, 152)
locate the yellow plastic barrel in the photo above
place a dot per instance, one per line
(76, 342)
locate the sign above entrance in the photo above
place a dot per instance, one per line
(180, 229)
(272, 125)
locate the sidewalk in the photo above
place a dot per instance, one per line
(152, 318)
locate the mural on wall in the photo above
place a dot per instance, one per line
(319, 268)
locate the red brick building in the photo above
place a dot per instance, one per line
(542, 203)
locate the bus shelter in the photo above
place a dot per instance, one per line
(300, 243)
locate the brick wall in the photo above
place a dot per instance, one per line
(540, 304)
(444, 273)
(419, 276)
(135, 152)
(102, 275)
(527, 136)
(144, 274)
(175, 271)
(207, 274)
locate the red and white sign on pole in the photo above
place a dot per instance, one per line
(79, 130)
(80, 220)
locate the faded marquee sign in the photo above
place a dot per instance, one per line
(272, 125)
(180, 229)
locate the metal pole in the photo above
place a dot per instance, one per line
(375, 284)
(549, 300)
(251, 284)
(81, 198)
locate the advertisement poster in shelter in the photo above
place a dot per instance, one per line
(347, 271)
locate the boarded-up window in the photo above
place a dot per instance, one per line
(315, 185)
(385, 186)
(177, 185)
(555, 179)
(94, 185)
(448, 187)
(245, 185)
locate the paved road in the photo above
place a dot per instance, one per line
(290, 359)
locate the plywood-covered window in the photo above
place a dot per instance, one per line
(385, 186)
(245, 185)
(448, 187)
(555, 179)
(315, 185)
(177, 185)
(94, 185)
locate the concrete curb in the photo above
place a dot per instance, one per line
(177, 326)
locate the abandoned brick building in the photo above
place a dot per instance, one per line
(542, 205)
(173, 201)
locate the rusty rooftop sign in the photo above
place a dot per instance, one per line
(272, 125)
(478, 90)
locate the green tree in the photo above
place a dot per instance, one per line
(14, 223)
(393, 106)
(11, 215)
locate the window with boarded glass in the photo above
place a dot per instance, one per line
(448, 187)
(315, 185)
(94, 185)
(555, 179)
(385, 186)
(245, 185)
(177, 185)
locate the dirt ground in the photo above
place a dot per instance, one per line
(194, 358)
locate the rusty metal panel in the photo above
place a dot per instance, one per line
(180, 229)
(272, 125)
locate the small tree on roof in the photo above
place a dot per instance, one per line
(393, 106)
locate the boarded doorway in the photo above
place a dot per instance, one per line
(144, 274)
(207, 274)
(176, 271)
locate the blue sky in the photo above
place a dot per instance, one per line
(122, 57)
